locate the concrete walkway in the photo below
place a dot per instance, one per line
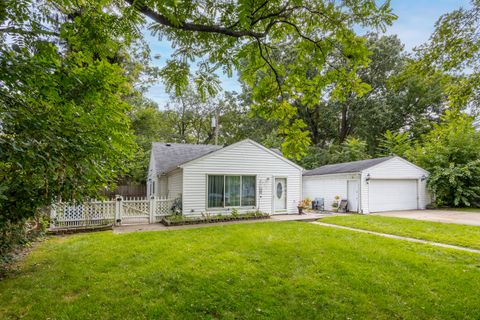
(386, 235)
(274, 218)
(446, 216)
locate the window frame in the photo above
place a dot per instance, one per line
(224, 188)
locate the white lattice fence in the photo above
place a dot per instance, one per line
(120, 211)
(162, 208)
(135, 211)
(93, 213)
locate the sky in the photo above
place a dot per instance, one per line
(415, 24)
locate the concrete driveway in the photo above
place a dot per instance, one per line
(459, 217)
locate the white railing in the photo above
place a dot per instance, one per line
(136, 210)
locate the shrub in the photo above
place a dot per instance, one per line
(451, 153)
(14, 236)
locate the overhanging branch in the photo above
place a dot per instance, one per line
(187, 26)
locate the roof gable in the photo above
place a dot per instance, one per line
(273, 152)
(405, 161)
(346, 167)
(168, 156)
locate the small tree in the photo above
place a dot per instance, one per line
(397, 143)
(353, 149)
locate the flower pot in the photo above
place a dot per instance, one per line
(300, 210)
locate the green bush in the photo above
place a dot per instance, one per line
(451, 153)
(209, 217)
(457, 185)
(14, 236)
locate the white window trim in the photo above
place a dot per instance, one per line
(241, 180)
(274, 195)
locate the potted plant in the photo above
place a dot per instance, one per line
(336, 203)
(305, 203)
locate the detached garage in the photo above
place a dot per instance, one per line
(374, 185)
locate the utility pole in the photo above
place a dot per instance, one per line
(215, 125)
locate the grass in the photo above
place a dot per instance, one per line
(282, 270)
(461, 235)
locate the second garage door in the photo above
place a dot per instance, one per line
(388, 195)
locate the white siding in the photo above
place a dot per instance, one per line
(175, 184)
(327, 187)
(395, 168)
(162, 187)
(244, 158)
(151, 176)
(169, 185)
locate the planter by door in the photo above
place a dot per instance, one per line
(280, 192)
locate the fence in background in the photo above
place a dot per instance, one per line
(120, 211)
(128, 190)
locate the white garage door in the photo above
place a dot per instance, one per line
(388, 195)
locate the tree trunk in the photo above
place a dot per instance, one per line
(344, 130)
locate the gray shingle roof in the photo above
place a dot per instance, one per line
(346, 167)
(277, 151)
(168, 156)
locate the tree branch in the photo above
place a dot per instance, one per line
(277, 77)
(187, 26)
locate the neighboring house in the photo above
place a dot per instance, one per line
(381, 184)
(209, 178)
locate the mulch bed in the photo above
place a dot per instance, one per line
(167, 222)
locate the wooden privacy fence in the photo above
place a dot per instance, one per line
(120, 211)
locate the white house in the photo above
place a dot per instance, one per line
(381, 184)
(209, 178)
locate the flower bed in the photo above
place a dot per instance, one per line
(179, 220)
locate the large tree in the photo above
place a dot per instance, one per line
(454, 48)
(397, 99)
(250, 36)
(64, 78)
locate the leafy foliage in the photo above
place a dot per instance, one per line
(451, 152)
(395, 143)
(251, 36)
(398, 99)
(352, 149)
(457, 185)
(65, 71)
(454, 47)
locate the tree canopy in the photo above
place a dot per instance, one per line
(66, 70)
(251, 36)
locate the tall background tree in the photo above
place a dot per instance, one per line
(251, 35)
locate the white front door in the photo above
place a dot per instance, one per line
(352, 195)
(280, 194)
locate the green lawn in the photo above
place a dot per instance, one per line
(460, 235)
(269, 270)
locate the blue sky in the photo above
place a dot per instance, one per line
(415, 23)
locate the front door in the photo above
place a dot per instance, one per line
(352, 195)
(280, 194)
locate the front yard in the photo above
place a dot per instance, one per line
(460, 235)
(281, 270)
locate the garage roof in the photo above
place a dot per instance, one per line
(346, 167)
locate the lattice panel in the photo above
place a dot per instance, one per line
(86, 214)
(163, 207)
